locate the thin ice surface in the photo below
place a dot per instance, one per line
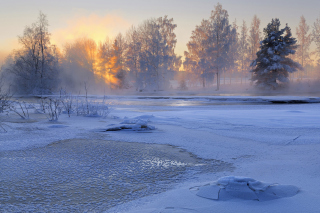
(91, 175)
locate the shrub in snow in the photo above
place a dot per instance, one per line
(4, 104)
(2, 128)
(245, 188)
(67, 102)
(273, 64)
(4, 99)
(54, 108)
(92, 107)
(51, 106)
(20, 108)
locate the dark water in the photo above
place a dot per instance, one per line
(92, 175)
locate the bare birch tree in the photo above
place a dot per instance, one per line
(254, 37)
(35, 66)
(304, 40)
(316, 36)
(244, 51)
(211, 44)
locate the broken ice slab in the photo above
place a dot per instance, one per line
(209, 191)
(230, 187)
(241, 190)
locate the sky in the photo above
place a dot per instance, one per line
(97, 19)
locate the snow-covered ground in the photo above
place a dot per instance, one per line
(274, 143)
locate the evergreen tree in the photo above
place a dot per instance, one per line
(273, 64)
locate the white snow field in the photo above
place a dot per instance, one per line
(169, 149)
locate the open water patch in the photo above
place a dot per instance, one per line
(81, 175)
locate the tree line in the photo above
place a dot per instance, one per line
(218, 47)
(145, 59)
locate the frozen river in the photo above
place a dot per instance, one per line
(74, 165)
(92, 175)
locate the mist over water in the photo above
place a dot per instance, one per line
(297, 88)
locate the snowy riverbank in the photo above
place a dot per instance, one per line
(275, 143)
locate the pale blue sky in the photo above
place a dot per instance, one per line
(120, 14)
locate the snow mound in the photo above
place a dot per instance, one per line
(231, 187)
(134, 125)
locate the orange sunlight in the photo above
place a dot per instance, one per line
(104, 71)
(97, 28)
(93, 26)
(6, 47)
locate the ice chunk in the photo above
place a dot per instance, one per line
(258, 185)
(133, 124)
(209, 191)
(240, 190)
(245, 188)
(283, 190)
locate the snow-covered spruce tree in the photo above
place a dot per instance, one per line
(273, 65)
